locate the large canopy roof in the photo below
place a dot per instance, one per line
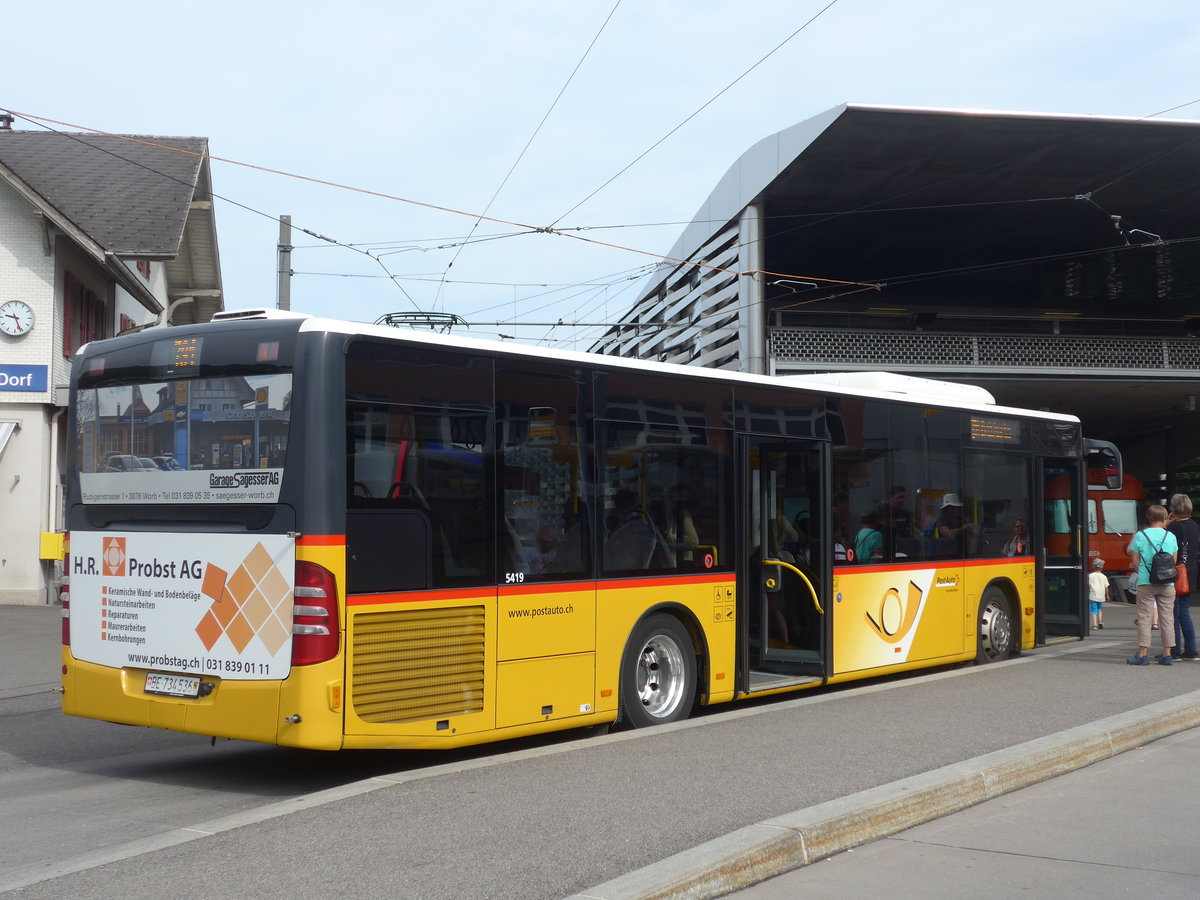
(979, 222)
(959, 207)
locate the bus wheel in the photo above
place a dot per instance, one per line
(995, 627)
(658, 673)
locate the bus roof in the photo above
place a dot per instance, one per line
(876, 385)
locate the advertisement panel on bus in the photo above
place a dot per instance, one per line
(217, 604)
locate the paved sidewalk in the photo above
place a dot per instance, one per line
(1120, 828)
(1086, 812)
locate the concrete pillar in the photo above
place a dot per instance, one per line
(752, 309)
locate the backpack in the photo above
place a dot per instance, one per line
(1162, 564)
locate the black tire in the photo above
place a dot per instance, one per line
(995, 638)
(658, 673)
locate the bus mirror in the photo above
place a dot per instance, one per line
(1104, 465)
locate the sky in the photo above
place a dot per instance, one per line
(609, 121)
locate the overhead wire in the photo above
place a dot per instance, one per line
(40, 121)
(532, 137)
(528, 229)
(614, 278)
(697, 112)
(1033, 260)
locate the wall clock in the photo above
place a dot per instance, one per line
(16, 318)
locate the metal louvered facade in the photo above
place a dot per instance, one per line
(693, 315)
(814, 349)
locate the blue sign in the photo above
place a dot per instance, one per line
(23, 378)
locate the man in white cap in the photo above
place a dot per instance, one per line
(948, 530)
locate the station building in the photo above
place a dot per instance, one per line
(99, 234)
(1052, 259)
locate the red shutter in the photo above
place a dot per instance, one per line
(68, 314)
(87, 318)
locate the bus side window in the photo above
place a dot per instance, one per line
(388, 550)
(542, 456)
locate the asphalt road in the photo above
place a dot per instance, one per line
(98, 810)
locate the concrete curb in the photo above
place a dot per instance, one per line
(769, 848)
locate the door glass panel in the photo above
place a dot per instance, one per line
(786, 529)
(1062, 574)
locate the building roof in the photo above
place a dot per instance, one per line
(129, 197)
(1054, 238)
(946, 201)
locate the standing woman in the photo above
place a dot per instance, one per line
(1148, 542)
(1187, 533)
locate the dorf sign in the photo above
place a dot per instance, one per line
(23, 378)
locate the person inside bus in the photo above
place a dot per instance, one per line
(950, 532)
(1018, 544)
(631, 538)
(571, 556)
(675, 524)
(898, 519)
(841, 525)
(868, 543)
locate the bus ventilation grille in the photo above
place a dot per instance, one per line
(413, 665)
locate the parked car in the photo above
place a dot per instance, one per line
(121, 462)
(168, 463)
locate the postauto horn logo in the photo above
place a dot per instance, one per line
(113, 556)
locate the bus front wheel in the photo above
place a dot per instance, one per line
(995, 627)
(658, 673)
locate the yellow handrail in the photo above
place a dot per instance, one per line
(804, 578)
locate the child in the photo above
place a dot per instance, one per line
(1098, 592)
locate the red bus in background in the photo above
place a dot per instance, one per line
(1116, 506)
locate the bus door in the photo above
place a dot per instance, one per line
(1061, 579)
(786, 563)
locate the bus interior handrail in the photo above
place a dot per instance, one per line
(812, 590)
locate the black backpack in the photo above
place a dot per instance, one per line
(1162, 564)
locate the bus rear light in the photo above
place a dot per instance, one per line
(315, 632)
(64, 597)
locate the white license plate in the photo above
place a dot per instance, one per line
(172, 685)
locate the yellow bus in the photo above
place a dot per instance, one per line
(371, 537)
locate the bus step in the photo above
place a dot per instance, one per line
(1053, 639)
(769, 681)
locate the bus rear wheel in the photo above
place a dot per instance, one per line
(995, 627)
(658, 673)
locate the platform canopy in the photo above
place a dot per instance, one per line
(1031, 227)
(958, 209)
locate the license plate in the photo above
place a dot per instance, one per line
(172, 685)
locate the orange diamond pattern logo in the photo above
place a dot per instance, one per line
(255, 602)
(112, 556)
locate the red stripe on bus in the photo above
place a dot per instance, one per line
(321, 540)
